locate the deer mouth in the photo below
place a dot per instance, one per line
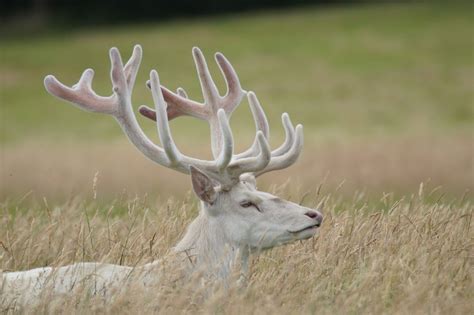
(309, 227)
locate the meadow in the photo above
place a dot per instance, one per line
(385, 94)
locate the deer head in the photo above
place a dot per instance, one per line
(233, 213)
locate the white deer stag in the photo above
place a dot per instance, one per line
(235, 218)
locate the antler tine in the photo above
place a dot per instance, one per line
(178, 105)
(255, 163)
(164, 132)
(261, 123)
(227, 151)
(181, 92)
(212, 99)
(258, 114)
(82, 95)
(289, 136)
(283, 156)
(85, 82)
(119, 81)
(208, 87)
(235, 93)
(148, 112)
(172, 110)
(288, 158)
(287, 153)
(87, 100)
(132, 66)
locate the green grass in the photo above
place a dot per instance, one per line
(342, 70)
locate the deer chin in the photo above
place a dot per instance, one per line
(305, 232)
(289, 237)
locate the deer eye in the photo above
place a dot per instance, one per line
(248, 204)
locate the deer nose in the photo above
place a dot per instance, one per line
(315, 215)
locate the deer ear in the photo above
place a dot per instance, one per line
(203, 186)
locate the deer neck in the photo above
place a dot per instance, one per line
(209, 250)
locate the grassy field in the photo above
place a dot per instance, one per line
(402, 256)
(385, 95)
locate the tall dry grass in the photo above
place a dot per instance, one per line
(400, 256)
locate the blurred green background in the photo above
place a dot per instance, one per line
(371, 83)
